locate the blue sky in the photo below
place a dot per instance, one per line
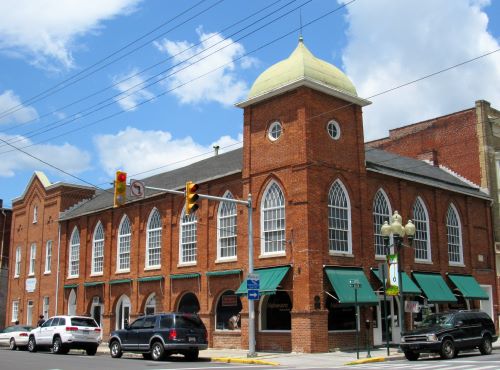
(379, 44)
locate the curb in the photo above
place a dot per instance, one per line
(366, 361)
(243, 361)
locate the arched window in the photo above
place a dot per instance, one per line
(454, 232)
(275, 312)
(98, 249)
(124, 236)
(72, 303)
(273, 220)
(123, 308)
(226, 230)
(153, 240)
(188, 230)
(339, 219)
(150, 306)
(189, 303)
(74, 253)
(381, 213)
(422, 236)
(228, 311)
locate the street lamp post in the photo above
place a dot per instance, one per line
(356, 285)
(398, 232)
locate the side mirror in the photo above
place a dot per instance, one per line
(459, 324)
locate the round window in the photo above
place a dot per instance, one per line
(333, 129)
(274, 131)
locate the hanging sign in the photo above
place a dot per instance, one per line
(393, 288)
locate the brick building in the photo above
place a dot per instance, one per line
(466, 143)
(319, 198)
(5, 224)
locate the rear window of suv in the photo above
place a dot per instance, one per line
(82, 321)
(188, 322)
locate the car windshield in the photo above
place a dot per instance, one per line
(443, 320)
(82, 321)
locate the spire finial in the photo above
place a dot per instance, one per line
(301, 39)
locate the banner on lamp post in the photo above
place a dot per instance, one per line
(393, 288)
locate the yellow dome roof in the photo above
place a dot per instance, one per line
(301, 64)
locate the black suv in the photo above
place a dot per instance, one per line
(449, 332)
(161, 335)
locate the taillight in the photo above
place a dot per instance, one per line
(23, 334)
(172, 334)
(98, 330)
(71, 328)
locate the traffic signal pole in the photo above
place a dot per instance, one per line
(248, 204)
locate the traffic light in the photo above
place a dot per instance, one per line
(191, 197)
(120, 188)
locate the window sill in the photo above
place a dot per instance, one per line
(16, 276)
(31, 275)
(72, 277)
(224, 260)
(272, 255)
(47, 272)
(424, 262)
(456, 264)
(380, 258)
(341, 254)
(151, 268)
(227, 331)
(275, 331)
(96, 274)
(186, 264)
(121, 272)
(342, 331)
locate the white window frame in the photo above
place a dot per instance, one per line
(378, 220)
(422, 228)
(72, 303)
(227, 222)
(272, 132)
(273, 246)
(17, 266)
(188, 242)
(337, 128)
(35, 214)
(334, 207)
(45, 307)
(31, 271)
(98, 250)
(74, 254)
(454, 236)
(153, 240)
(15, 311)
(30, 305)
(48, 257)
(124, 245)
(150, 303)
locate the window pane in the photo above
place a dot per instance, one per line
(188, 238)
(227, 229)
(338, 220)
(273, 220)
(124, 245)
(98, 249)
(454, 236)
(421, 241)
(154, 240)
(381, 214)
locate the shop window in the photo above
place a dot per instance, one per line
(340, 317)
(189, 304)
(275, 312)
(150, 307)
(228, 312)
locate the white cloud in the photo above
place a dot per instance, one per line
(223, 85)
(131, 88)
(393, 42)
(158, 149)
(19, 113)
(43, 32)
(66, 157)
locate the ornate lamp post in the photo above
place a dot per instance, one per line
(398, 232)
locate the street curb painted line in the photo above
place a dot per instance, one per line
(366, 361)
(243, 361)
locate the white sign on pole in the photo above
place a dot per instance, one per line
(393, 270)
(412, 306)
(137, 188)
(30, 285)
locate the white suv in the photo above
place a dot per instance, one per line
(62, 333)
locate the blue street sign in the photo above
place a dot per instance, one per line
(253, 282)
(253, 294)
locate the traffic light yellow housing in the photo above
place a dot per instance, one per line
(191, 197)
(120, 197)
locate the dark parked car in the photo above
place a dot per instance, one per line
(161, 335)
(449, 332)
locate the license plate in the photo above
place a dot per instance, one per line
(85, 331)
(192, 339)
(413, 346)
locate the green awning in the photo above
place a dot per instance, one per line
(223, 272)
(269, 279)
(70, 286)
(93, 283)
(185, 276)
(469, 286)
(409, 287)
(119, 281)
(434, 287)
(340, 279)
(150, 278)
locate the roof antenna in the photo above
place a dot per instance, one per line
(301, 39)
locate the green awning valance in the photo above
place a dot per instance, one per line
(340, 279)
(469, 286)
(223, 272)
(70, 286)
(150, 278)
(269, 279)
(434, 287)
(185, 276)
(409, 287)
(93, 283)
(119, 281)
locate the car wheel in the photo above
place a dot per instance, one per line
(115, 349)
(32, 344)
(12, 344)
(157, 351)
(412, 356)
(447, 349)
(192, 355)
(146, 356)
(57, 346)
(91, 351)
(485, 347)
